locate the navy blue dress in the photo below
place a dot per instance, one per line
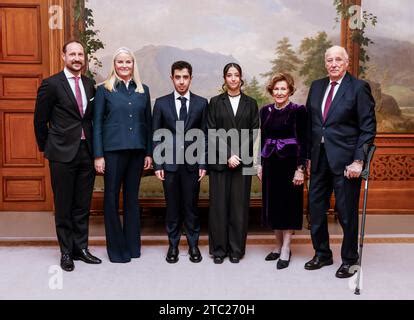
(283, 141)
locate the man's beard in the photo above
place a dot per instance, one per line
(69, 66)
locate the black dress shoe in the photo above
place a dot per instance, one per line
(317, 263)
(66, 262)
(272, 256)
(195, 254)
(344, 272)
(218, 260)
(234, 259)
(172, 255)
(85, 256)
(282, 264)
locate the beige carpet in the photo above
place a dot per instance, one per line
(387, 274)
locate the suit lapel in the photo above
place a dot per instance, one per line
(321, 95)
(173, 110)
(241, 108)
(88, 92)
(69, 92)
(341, 90)
(228, 109)
(190, 110)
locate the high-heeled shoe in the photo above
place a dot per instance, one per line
(282, 264)
(272, 256)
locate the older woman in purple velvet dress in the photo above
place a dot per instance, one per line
(283, 141)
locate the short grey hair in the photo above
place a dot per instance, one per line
(339, 48)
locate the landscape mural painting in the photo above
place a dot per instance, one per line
(263, 36)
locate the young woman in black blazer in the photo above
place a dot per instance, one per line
(233, 112)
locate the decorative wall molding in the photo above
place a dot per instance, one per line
(393, 167)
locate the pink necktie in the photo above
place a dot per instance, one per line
(329, 100)
(79, 100)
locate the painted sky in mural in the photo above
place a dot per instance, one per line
(211, 33)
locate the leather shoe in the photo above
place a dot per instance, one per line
(234, 259)
(218, 260)
(317, 263)
(172, 255)
(85, 256)
(344, 272)
(282, 264)
(272, 256)
(66, 262)
(195, 254)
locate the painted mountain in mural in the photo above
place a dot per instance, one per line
(155, 62)
(392, 65)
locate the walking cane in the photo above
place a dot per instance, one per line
(365, 176)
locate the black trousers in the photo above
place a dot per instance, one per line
(181, 189)
(323, 181)
(72, 185)
(229, 212)
(123, 168)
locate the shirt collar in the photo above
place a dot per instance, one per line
(127, 84)
(69, 75)
(338, 81)
(177, 95)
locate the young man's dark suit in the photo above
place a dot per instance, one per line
(58, 129)
(181, 185)
(349, 125)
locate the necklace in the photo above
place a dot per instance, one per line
(282, 106)
(234, 95)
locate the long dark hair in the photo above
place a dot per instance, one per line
(226, 69)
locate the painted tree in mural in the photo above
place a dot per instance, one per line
(88, 35)
(286, 59)
(254, 90)
(313, 51)
(358, 26)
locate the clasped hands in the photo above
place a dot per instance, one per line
(354, 169)
(100, 164)
(234, 161)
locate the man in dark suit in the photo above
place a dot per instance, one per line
(179, 112)
(341, 122)
(63, 129)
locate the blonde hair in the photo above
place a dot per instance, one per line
(113, 78)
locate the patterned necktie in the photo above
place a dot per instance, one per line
(183, 109)
(79, 101)
(328, 101)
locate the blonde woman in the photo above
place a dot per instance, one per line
(122, 149)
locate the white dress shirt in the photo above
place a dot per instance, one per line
(71, 80)
(235, 103)
(334, 93)
(333, 96)
(178, 102)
